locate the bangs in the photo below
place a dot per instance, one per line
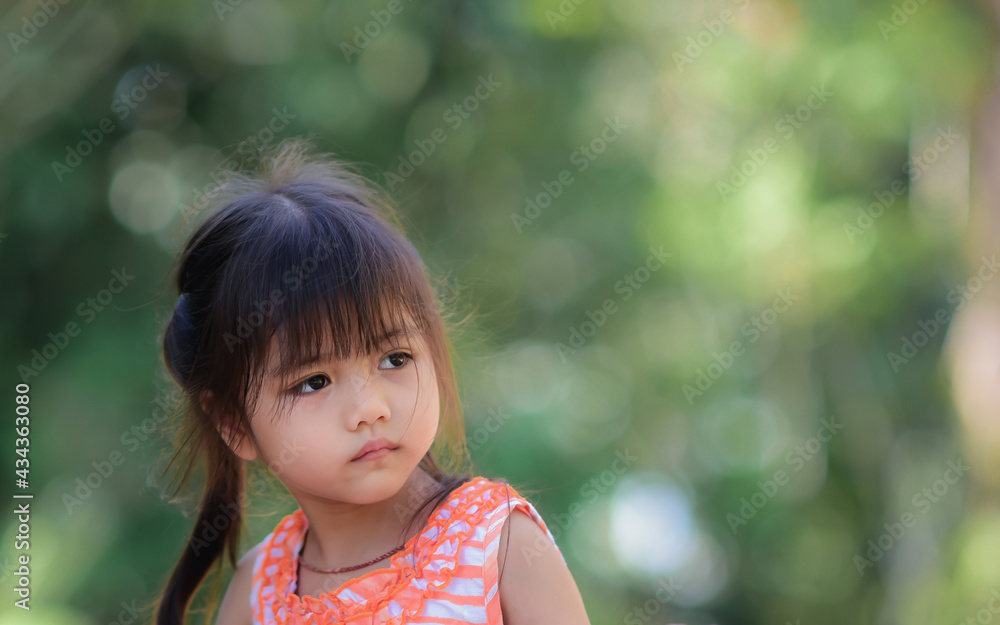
(322, 281)
(308, 341)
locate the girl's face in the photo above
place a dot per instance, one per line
(389, 396)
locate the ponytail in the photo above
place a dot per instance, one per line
(216, 529)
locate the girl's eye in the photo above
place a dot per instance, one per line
(315, 383)
(398, 359)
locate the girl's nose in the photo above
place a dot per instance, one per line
(367, 402)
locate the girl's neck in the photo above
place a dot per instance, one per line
(346, 537)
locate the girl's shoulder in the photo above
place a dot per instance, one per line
(493, 499)
(488, 490)
(483, 502)
(484, 509)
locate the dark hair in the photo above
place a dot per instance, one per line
(302, 249)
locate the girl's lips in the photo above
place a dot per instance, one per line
(375, 449)
(378, 453)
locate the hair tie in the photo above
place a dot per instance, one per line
(178, 340)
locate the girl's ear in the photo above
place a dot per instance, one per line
(228, 426)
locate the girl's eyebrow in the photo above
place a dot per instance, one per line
(306, 361)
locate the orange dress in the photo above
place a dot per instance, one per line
(445, 575)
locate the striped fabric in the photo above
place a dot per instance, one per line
(445, 575)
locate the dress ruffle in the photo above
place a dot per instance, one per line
(390, 594)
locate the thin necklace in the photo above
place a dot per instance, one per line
(346, 568)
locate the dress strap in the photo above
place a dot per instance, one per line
(509, 502)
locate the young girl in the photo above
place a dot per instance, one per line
(307, 336)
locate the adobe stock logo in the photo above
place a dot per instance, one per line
(913, 168)
(455, 115)
(583, 157)
(922, 501)
(224, 171)
(901, 14)
(959, 295)
(706, 37)
(754, 329)
(559, 523)
(795, 459)
(758, 156)
(47, 9)
(87, 310)
(984, 616)
(627, 286)
(372, 29)
(665, 591)
(122, 106)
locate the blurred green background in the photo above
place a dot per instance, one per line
(747, 246)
